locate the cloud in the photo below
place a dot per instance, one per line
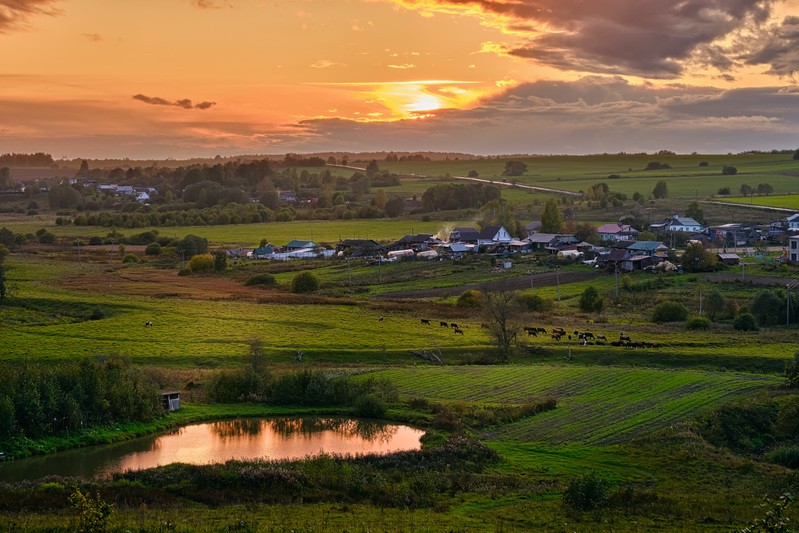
(591, 115)
(15, 14)
(403, 66)
(211, 4)
(649, 38)
(776, 46)
(94, 37)
(184, 103)
(325, 63)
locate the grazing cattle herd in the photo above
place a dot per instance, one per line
(584, 338)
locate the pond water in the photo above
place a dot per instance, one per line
(217, 442)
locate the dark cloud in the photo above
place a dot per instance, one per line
(94, 37)
(184, 103)
(650, 38)
(776, 46)
(14, 14)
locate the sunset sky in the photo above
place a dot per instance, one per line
(184, 78)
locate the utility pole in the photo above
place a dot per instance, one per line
(616, 273)
(787, 304)
(557, 278)
(532, 289)
(743, 270)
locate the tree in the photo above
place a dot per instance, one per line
(514, 168)
(5, 178)
(500, 312)
(192, 245)
(696, 212)
(764, 188)
(395, 207)
(551, 219)
(768, 308)
(669, 312)
(792, 371)
(304, 282)
(796, 154)
(697, 258)
(497, 213)
(220, 261)
(2, 284)
(83, 172)
(372, 169)
(201, 263)
(586, 232)
(472, 174)
(591, 301)
(380, 199)
(661, 190)
(745, 189)
(714, 303)
(729, 170)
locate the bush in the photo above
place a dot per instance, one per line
(728, 170)
(130, 258)
(201, 263)
(471, 299)
(697, 322)
(95, 240)
(369, 406)
(792, 371)
(538, 304)
(670, 312)
(724, 191)
(304, 282)
(591, 300)
(745, 322)
(220, 261)
(153, 249)
(261, 280)
(787, 456)
(586, 493)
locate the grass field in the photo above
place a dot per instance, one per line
(786, 201)
(596, 405)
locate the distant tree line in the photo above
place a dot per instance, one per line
(37, 401)
(38, 159)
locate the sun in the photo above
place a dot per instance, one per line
(425, 102)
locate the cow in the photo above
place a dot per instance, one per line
(443, 324)
(425, 321)
(532, 332)
(624, 337)
(380, 319)
(601, 338)
(555, 337)
(588, 335)
(542, 330)
(456, 330)
(453, 325)
(148, 324)
(559, 331)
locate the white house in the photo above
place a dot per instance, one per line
(143, 197)
(793, 249)
(678, 224)
(792, 222)
(494, 235)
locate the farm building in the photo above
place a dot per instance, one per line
(494, 235)
(617, 232)
(729, 259)
(465, 235)
(171, 400)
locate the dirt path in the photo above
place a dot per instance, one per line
(546, 279)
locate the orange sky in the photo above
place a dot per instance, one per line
(103, 78)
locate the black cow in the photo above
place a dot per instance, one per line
(443, 324)
(425, 321)
(456, 330)
(148, 324)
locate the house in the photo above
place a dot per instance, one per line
(542, 241)
(736, 234)
(617, 232)
(729, 259)
(532, 227)
(466, 235)
(677, 224)
(793, 249)
(494, 235)
(143, 197)
(455, 249)
(171, 400)
(263, 252)
(638, 262)
(418, 242)
(650, 248)
(288, 197)
(299, 245)
(792, 222)
(358, 247)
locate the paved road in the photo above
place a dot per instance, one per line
(545, 279)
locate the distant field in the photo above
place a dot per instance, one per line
(573, 173)
(788, 201)
(596, 405)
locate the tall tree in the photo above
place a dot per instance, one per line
(514, 168)
(745, 189)
(551, 219)
(764, 188)
(696, 212)
(497, 213)
(661, 190)
(796, 154)
(501, 314)
(372, 168)
(5, 178)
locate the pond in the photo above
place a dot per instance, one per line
(217, 442)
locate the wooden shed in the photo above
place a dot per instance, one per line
(171, 400)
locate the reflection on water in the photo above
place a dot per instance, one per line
(216, 442)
